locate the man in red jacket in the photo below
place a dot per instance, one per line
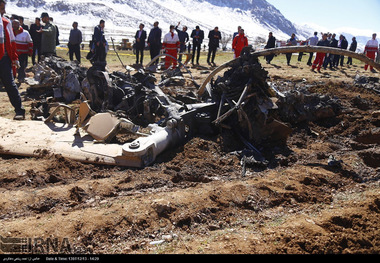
(24, 48)
(8, 57)
(240, 41)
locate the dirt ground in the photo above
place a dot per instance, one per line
(194, 200)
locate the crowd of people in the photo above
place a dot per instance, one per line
(18, 42)
(177, 41)
(327, 60)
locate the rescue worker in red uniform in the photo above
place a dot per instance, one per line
(24, 48)
(240, 41)
(170, 45)
(320, 56)
(371, 49)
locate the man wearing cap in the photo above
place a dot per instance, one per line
(8, 57)
(48, 39)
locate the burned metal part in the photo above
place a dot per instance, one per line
(188, 58)
(69, 114)
(103, 127)
(370, 83)
(300, 105)
(284, 50)
(57, 77)
(40, 109)
(153, 68)
(246, 102)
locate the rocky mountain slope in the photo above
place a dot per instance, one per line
(257, 17)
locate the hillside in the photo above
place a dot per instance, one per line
(256, 17)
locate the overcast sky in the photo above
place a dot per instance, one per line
(364, 15)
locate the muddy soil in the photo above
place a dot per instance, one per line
(319, 193)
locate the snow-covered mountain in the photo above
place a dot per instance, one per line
(122, 17)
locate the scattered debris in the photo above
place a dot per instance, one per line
(241, 101)
(58, 78)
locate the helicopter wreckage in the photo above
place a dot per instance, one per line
(96, 106)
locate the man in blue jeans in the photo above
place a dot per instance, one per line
(9, 58)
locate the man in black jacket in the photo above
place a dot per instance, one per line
(270, 44)
(343, 45)
(198, 36)
(75, 39)
(183, 39)
(329, 57)
(334, 43)
(213, 44)
(352, 48)
(154, 41)
(99, 42)
(140, 44)
(36, 37)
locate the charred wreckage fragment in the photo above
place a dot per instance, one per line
(241, 102)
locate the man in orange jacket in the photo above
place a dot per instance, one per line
(8, 57)
(240, 41)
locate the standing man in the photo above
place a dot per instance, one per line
(75, 39)
(270, 44)
(352, 48)
(9, 58)
(36, 37)
(56, 31)
(313, 41)
(320, 56)
(154, 41)
(236, 33)
(334, 44)
(140, 37)
(171, 45)
(24, 48)
(371, 49)
(99, 42)
(21, 20)
(291, 42)
(48, 38)
(198, 36)
(329, 57)
(240, 41)
(213, 44)
(183, 39)
(233, 37)
(344, 46)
